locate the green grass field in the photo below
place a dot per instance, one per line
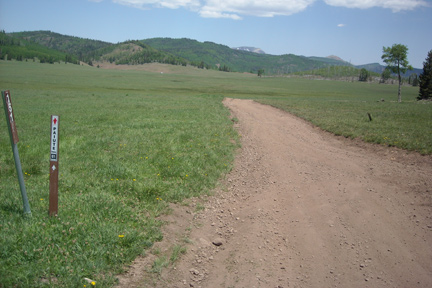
(133, 141)
(342, 107)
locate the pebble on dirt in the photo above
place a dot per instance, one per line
(217, 242)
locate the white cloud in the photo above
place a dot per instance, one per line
(235, 9)
(209, 13)
(394, 5)
(260, 8)
(172, 4)
(341, 25)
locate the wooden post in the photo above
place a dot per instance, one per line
(10, 120)
(54, 166)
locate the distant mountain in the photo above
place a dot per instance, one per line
(335, 58)
(331, 60)
(217, 55)
(373, 67)
(250, 49)
(209, 55)
(378, 68)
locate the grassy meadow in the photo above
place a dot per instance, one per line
(133, 141)
(342, 108)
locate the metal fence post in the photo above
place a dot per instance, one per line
(10, 120)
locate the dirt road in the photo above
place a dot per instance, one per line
(303, 208)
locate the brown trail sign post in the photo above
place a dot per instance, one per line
(54, 166)
(10, 120)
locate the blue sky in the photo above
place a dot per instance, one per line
(355, 30)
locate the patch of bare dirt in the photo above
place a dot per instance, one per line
(150, 67)
(303, 208)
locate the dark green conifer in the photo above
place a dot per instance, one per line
(425, 79)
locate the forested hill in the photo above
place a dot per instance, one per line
(162, 50)
(20, 48)
(211, 54)
(135, 53)
(82, 48)
(85, 50)
(50, 46)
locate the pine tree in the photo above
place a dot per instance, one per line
(425, 79)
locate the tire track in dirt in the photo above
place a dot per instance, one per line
(303, 208)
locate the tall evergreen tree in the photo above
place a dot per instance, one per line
(425, 79)
(396, 59)
(413, 79)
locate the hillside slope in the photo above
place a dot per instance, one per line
(174, 51)
(213, 54)
(21, 48)
(135, 53)
(82, 48)
(55, 47)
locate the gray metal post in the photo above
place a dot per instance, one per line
(10, 120)
(26, 204)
